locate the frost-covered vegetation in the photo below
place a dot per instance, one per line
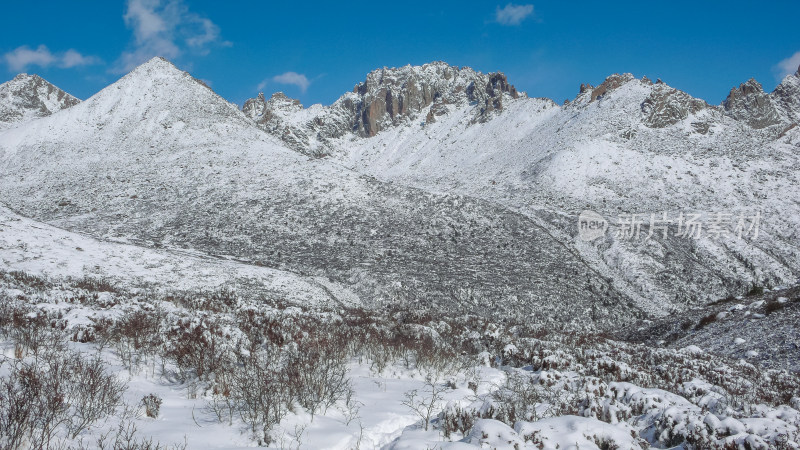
(91, 365)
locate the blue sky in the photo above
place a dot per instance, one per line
(315, 51)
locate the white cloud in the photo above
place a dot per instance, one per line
(294, 78)
(22, 57)
(262, 85)
(788, 66)
(207, 33)
(513, 14)
(165, 28)
(72, 58)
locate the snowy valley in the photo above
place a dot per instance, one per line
(402, 269)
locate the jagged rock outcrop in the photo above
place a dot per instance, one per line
(667, 106)
(786, 98)
(271, 112)
(387, 98)
(28, 97)
(275, 116)
(750, 104)
(589, 93)
(610, 83)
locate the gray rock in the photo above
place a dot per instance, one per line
(750, 104)
(786, 98)
(28, 97)
(667, 106)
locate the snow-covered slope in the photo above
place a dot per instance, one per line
(29, 97)
(761, 328)
(627, 146)
(161, 160)
(43, 250)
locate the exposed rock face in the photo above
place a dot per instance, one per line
(786, 98)
(610, 83)
(750, 104)
(275, 116)
(667, 106)
(270, 112)
(28, 97)
(387, 98)
(589, 93)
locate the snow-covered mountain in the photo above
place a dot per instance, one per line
(160, 160)
(28, 97)
(402, 269)
(444, 186)
(627, 146)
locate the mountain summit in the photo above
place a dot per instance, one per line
(29, 97)
(387, 98)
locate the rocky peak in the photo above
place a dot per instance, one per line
(28, 97)
(611, 83)
(278, 116)
(667, 106)
(588, 93)
(786, 98)
(255, 107)
(750, 104)
(278, 105)
(389, 96)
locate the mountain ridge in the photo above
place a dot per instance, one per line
(157, 142)
(365, 117)
(157, 160)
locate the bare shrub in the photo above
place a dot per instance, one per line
(425, 402)
(32, 334)
(457, 419)
(261, 393)
(26, 280)
(198, 346)
(135, 337)
(318, 371)
(94, 393)
(517, 399)
(62, 390)
(152, 405)
(126, 437)
(94, 284)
